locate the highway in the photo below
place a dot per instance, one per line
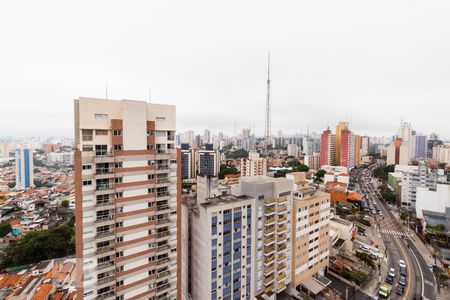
(398, 245)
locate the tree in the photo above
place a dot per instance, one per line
(365, 258)
(241, 153)
(5, 228)
(227, 169)
(65, 203)
(320, 175)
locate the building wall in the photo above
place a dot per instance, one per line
(435, 201)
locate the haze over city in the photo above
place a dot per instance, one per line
(368, 63)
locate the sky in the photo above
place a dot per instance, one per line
(369, 63)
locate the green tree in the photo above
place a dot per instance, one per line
(5, 228)
(227, 169)
(320, 175)
(65, 203)
(241, 153)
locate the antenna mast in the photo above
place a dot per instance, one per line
(267, 129)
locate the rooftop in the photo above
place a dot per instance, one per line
(222, 200)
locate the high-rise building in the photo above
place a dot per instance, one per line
(313, 161)
(24, 168)
(198, 141)
(421, 146)
(208, 161)
(341, 126)
(441, 154)
(126, 178)
(222, 248)
(254, 165)
(187, 162)
(207, 137)
(308, 145)
(413, 179)
(365, 145)
(393, 152)
(347, 149)
(310, 226)
(404, 131)
(358, 141)
(327, 148)
(293, 150)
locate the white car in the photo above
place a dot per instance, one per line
(402, 263)
(391, 272)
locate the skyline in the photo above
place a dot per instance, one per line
(323, 68)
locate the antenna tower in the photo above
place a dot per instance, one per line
(268, 125)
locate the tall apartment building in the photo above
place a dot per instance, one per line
(293, 150)
(221, 248)
(365, 145)
(393, 152)
(421, 146)
(358, 141)
(327, 148)
(413, 179)
(126, 200)
(272, 252)
(24, 168)
(313, 161)
(254, 165)
(441, 154)
(347, 150)
(188, 167)
(341, 126)
(208, 161)
(310, 232)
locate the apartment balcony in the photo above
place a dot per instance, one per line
(104, 219)
(162, 181)
(269, 280)
(282, 200)
(269, 241)
(281, 267)
(281, 209)
(269, 211)
(162, 248)
(163, 287)
(162, 167)
(104, 187)
(281, 238)
(162, 222)
(269, 289)
(269, 250)
(107, 295)
(103, 157)
(162, 236)
(101, 204)
(103, 234)
(281, 247)
(105, 265)
(163, 209)
(269, 202)
(106, 280)
(162, 194)
(270, 269)
(104, 171)
(270, 220)
(282, 219)
(105, 249)
(280, 287)
(162, 275)
(269, 231)
(281, 257)
(269, 260)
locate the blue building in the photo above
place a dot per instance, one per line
(24, 168)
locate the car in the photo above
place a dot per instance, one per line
(400, 290)
(402, 280)
(418, 297)
(375, 298)
(380, 213)
(402, 263)
(364, 248)
(391, 272)
(403, 271)
(390, 279)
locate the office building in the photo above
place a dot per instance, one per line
(24, 168)
(313, 161)
(221, 252)
(126, 177)
(327, 148)
(188, 167)
(272, 253)
(207, 137)
(412, 180)
(421, 146)
(208, 161)
(254, 165)
(310, 232)
(293, 150)
(393, 152)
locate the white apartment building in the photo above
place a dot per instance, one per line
(254, 165)
(222, 240)
(412, 180)
(126, 180)
(432, 200)
(293, 150)
(441, 154)
(272, 228)
(313, 161)
(64, 158)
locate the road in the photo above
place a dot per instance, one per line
(399, 246)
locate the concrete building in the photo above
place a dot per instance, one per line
(313, 161)
(272, 226)
(421, 146)
(358, 141)
(63, 158)
(222, 256)
(126, 177)
(207, 137)
(310, 232)
(24, 168)
(208, 161)
(393, 152)
(327, 148)
(188, 167)
(441, 154)
(347, 149)
(254, 165)
(293, 150)
(341, 126)
(435, 200)
(365, 145)
(412, 180)
(308, 145)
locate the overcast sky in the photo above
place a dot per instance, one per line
(366, 62)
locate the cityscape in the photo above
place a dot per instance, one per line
(250, 198)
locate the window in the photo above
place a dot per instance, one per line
(151, 176)
(101, 132)
(118, 164)
(119, 239)
(119, 254)
(119, 224)
(119, 195)
(86, 135)
(87, 182)
(117, 132)
(101, 116)
(119, 283)
(118, 147)
(87, 167)
(150, 133)
(88, 148)
(151, 162)
(151, 190)
(119, 209)
(160, 119)
(101, 150)
(119, 269)
(118, 179)
(149, 146)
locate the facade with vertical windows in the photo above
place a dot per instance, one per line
(24, 168)
(126, 200)
(222, 241)
(208, 161)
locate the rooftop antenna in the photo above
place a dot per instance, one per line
(106, 89)
(267, 129)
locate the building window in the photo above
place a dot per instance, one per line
(119, 224)
(118, 179)
(101, 150)
(160, 119)
(119, 254)
(151, 162)
(118, 147)
(87, 167)
(87, 182)
(86, 135)
(118, 164)
(149, 146)
(119, 195)
(101, 116)
(117, 132)
(101, 132)
(119, 283)
(119, 239)
(88, 148)
(151, 176)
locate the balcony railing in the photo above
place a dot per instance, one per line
(162, 248)
(281, 276)
(106, 295)
(105, 265)
(282, 219)
(282, 247)
(162, 221)
(269, 250)
(104, 219)
(100, 171)
(162, 261)
(282, 200)
(161, 151)
(269, 230)
(103, 203)
(162, 167)
(269, 211)
(163, 287)
(162, 180)
(102, 187)
(268, 289)
(162, 274)
(269, 279)
(269, 220)
(104, 249)
(106, 280)
(269, 201)
(162, 194)
(268, 260)
(104, 234)
(162, 234)
(282, 209)
(281, 256)
(162, 207)
(269, 241)
(269, 269)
